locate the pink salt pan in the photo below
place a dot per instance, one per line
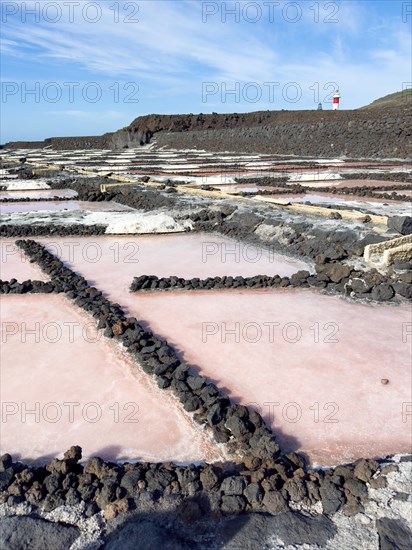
(87, 391)
(14, 264)
(316, 378)
(110, 263)
(40, 194)
(10, 208)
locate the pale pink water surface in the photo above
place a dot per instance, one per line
(87, 391)
(14, 264)
(315, 375)
(38, 206)
(39, 194)
(111, 262)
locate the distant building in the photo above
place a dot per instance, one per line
(336, 97)
(320, 108)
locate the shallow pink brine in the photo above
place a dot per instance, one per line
(63, 383)
(311, 364)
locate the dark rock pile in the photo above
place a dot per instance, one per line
(29, 199)
(151, 282)
(334, 277)
(255, 485)
(387, 176)
(26, 230)
(28, 287)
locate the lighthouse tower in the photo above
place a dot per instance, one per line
(336, 97)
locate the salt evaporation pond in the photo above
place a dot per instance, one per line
(323, 362)
(14, 264)
(83, 390)
(315, 375)
(40, 194)
(58, 206)
(110, 263)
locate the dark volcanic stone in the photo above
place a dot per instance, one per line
(210, 477)
(6, 478)
(53, 482)
(6, 461)
(29, 533)
(400, 224)
(360, 286)
(332, 497)
(382, 292)
(393, 535)
(233, 485)
(296, 489)
(130, 479)
(254, 493)
(365, 469)
(335, 271)
(356, 487)
(403, 289)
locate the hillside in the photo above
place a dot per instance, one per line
(398, 99)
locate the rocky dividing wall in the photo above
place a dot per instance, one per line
(381, 133)
(358, 133)
(383, 137)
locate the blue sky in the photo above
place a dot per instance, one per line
(93, 66)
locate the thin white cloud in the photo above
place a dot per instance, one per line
(172, 51)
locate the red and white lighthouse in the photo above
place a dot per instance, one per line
(336, 97)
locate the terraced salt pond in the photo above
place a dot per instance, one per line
(311, 364)
(111, 384)
(40, 194)
(111, 262)
(59, 206)
(63, 383)
(316, 377)
(15, 265)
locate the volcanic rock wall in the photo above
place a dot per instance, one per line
(359, 133)
(65, 143)
(378, 133)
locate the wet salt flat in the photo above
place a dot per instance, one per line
(110, 263)
(43, 194)
(82, 390)
(312, 364)
(10, 208)
(15, 265)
